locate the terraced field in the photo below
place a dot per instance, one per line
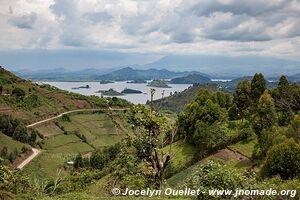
(83, 133)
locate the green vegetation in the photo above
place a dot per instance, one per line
(191, 79)
(130, 91)
(177, 101)
(32, 102)
(158, 83)
(110, 92)
(77, 133)
(219, 140)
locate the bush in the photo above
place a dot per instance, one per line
(213, 175)
(18, 92)
(283, 160)
(66, 118)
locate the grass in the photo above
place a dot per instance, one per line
(48, 165)
(182, 155)
(61, 140)
(10, 144)
(49, 129)
(244, 147)
(77, 147)
(225, 156)
(100, 129)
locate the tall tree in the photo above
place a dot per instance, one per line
(150, 128)
(242, 98)
(283, 82)
(265, 116)
(258, 86)
(152, 92)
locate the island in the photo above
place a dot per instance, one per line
(137, 81)
(105, 82)
(131, 91)
(159, 83)
(81, 87)
(191, 79)
(110, 92)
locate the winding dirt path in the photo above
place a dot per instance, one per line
(36, 151)
(27, 160)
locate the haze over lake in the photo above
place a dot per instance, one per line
(119, 87)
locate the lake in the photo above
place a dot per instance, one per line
(120, 86)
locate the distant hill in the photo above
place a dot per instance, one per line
(228, 66)
(60, 74)
(191, 79)
(129, 73)
(31, 102)
(294, 78)
(177, 101)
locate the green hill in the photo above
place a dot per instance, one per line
(178, 101)
(32, 102)
(191, 79)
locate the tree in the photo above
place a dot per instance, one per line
(265, 116)
(283, 160)
(283, 83)
(18, 92)
(152, 92)
(149, 129)
(233, 112)
(78, 163)
(213, 175)
(66, 118)
(242, 98)
(258, 86)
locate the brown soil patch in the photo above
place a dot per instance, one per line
(20, 159)
(227, 154)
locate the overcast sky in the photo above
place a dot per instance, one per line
(152, 28)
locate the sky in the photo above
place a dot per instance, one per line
(107, 33)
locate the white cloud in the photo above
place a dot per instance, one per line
(159, 26)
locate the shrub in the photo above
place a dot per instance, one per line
(18, 92)
(283, 160)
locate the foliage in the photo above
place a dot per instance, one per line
(66, 118)
(199, 122)
(242, 100)
(176, 102)
(148, 127)
(99, 158)
(18, 92)
(265, 116)
(17, 130)
(213, 175)
(258, 87)
(283, 160)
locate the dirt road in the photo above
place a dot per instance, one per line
(27, 160)
(71, 111)
(36, 151)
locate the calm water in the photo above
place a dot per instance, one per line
(120, 86)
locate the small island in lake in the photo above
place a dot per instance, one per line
(131, 91)
(110, 92)
(105, 82)
(159, 83)
(137, 81)
(81, 87)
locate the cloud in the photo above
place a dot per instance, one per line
(25, 21)
(155, 26)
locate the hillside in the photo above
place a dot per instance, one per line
(191, 79)
(129, 73)
(32, 102)
(178, 101)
